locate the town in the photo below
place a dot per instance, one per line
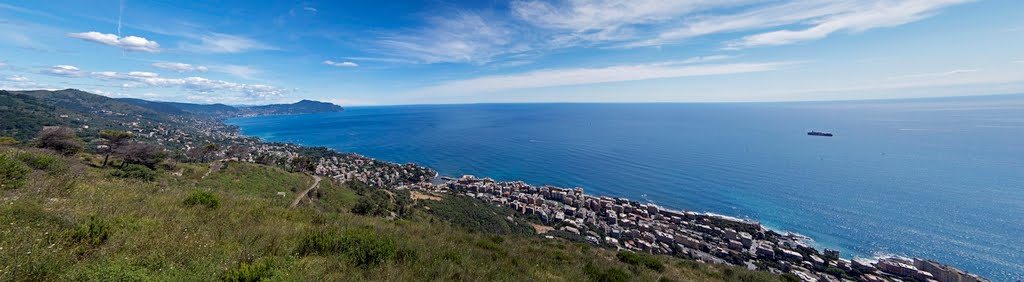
(642, 227)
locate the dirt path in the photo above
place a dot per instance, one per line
(316, 182)
(541, 229)
(416, 195)
(214, 167)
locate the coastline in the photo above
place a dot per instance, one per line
(803, 241)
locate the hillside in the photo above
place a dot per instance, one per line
(65, 218)
(222, 111)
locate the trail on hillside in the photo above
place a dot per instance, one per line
(316, 182)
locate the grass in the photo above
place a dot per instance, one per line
(643, 260)
(81, 224)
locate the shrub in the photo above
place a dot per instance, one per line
(40, 161)
(8, 141)
(261, 270)
(135, 172)
(203, 198)
(641, 260)
(60, 139)
(362, 247)
(94, 233)
(12, 172)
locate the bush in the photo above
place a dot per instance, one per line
(12, 172)
(261, 270)
(606, 275)
(135, 172)
(203, 198)
(60, 139)
(362, 247)
(8, 141)
(641, 260)
(40, 161)
(93, 234)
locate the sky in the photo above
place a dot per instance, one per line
(433, 52)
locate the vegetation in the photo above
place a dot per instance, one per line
(93, 227)
(643, 260)
(60, 139)
(475, 216)
(135, 172)
(203, 198)
(8, 141)
(113, 140)
(12, 172)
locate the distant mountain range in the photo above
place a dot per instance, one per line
(25, 112)
(226, 111)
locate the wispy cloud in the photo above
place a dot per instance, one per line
(224, 43)
(179, 67)
(244, 72)
(18, 78)
(340, 64)
(937, 74)
(465, 37)
(65, 71)
(130, 43)
(582, 76)
(858, 19)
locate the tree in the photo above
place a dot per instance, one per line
(60, 139)
(237, 151)
(114, 141)
(302, 164)
(209, 150)
(139, 153)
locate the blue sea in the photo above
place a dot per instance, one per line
(939, 178)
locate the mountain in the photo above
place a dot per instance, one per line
(300, 107)
(25, 112)
(222, 111)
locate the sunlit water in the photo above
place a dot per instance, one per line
(936, 178)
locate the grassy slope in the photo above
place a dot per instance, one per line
(152, 235)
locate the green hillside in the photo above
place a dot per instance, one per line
(65, 218)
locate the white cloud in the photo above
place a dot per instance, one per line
(340, 64)
(225, 43)
(937, 74)
(461, 38)
(598, 15)
(130, 43)
(582, 76)
(18, 78)
(859, 18)
(64, 70)
(244, 72)
(311, 9)
(179, 67)
(198, 85)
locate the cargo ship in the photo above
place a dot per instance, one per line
(818, 133)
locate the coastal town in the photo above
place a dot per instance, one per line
(643, 227)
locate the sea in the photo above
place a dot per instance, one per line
(939, 178)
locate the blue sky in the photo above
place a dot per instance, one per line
(407, 52)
